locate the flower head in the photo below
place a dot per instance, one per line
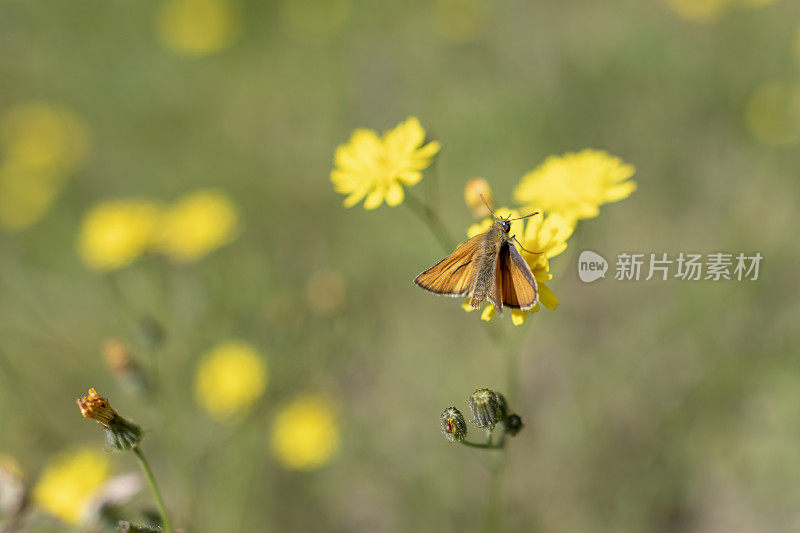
(485, 407)
(196, 225)
(115, 233)
(545, 237)
(454, 426)
(41, 137)
(377, 167)
(305, 433)
(120, 434)
(198, 27)
(478, 197)
(576, 184)
(229, 379)
(68, 484)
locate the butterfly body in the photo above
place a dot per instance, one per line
(487, 266)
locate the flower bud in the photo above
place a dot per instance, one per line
(478, 193)
(454, 426)
(485, 408)
(513, 424)
(120, 434)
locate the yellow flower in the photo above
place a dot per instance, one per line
(25, 195)
(41, 137)
(196, 225)
(314, 20)
(478, 197)
(544, 236)
(68, 484)
(773, 114)
(41, 145)
(698, 10)
(229, 379)
(378, 167)
(198, 27)
(115, 233)
(576, 184)
(305, 433)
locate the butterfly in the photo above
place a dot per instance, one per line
(486, 266)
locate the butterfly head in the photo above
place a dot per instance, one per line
(505, 223)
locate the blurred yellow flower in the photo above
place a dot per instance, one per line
(197, 224)
(68, 484)
(314, 20)
(461, 21)
(198, 27)
(41, 137)
(546, 237)
(378, 167)
(576, 184)
(229, 379)
(479, 197)
(305, 433)
(41, 145)
(699, 10)
(116, 232)
(773, 113)
(25, 194)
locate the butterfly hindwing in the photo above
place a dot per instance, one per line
(453, 275)
(516, 284)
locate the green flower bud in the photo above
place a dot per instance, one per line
(485, 407)
(513, 424)
(454, 427)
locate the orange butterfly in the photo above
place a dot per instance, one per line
(486, 266)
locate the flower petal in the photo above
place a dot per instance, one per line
(394, 195)
(488, 313)
(547, 297)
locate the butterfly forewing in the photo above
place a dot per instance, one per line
(453, 275)
(515, 279)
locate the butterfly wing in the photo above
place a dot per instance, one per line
(515, 285)
(453, 275)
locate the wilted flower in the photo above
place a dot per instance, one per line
(454, 427)
(485, 407)
(229, 379)
(576, 184)
(773, 114)
(545, 237)
(115, 233)
(68, 484)
(477, 195)
(197, 224)
(377, 167)
(198, 27)
(305, 433)
(120, 434)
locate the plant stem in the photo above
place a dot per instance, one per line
(430, 219)
(154, 489)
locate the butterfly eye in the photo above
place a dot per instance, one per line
(506, 225)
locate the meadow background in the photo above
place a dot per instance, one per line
(650, 406)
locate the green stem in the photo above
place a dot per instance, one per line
(430, 219)
(154, 489)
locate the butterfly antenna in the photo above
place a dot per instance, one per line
(526, 216)
(487, 206)
(520, 245)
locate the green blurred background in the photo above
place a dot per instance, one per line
(650, 406)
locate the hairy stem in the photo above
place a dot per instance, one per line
(151, 480)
